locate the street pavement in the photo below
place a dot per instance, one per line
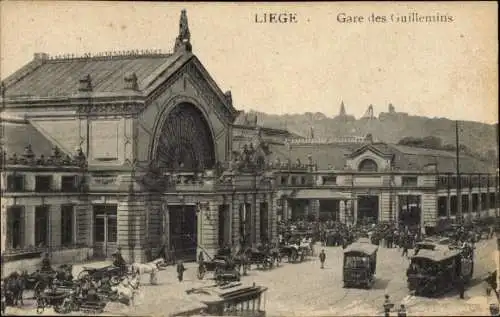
(303, 289)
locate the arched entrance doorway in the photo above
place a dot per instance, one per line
(184, 145)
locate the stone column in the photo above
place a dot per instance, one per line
(3, 229)
(354, 210)
(55, 225)
(448, 205)
(210, 226)
(235, 212)
(342, 211)
(256, 218)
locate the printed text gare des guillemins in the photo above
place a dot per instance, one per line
(412, 17)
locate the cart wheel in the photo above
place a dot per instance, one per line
(114, 280)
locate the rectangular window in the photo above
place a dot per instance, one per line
(41, 226)
(67, 224)
(330, 180)
(68, 184)
(15, 229)
(475, 202)
(284, 180)
(112, 228)
(453, 205)
(409, 180)
(303, 180)
(15, 183)
(443, 181)
(43, 183)
(493, 201)
(294, 180)
(465, 203)
(442, 206)
(453, 182)
(484, 201)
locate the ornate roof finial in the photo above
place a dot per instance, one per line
(182, 42)
(342, 109)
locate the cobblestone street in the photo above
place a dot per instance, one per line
(304, 289)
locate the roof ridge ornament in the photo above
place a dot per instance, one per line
(182, 42)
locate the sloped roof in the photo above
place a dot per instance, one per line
(323, 154)
(413, 158)
(18, 135)
(405, 158)
(60, 77)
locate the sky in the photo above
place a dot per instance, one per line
(428, 69)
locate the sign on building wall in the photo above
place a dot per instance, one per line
(105, 140)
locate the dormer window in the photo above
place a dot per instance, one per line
(368, 165)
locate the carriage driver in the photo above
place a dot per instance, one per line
(118, 259)
(46, 267)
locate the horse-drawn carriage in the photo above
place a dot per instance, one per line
(111, 273)
(223, 265)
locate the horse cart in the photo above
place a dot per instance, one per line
(260, 258)
(111, 273)
(224, 270)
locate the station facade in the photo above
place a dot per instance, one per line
(144, 150)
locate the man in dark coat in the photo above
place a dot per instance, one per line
(322, 258)
(180, 270)
(461, 287)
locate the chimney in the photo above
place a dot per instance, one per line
(40, 56)
(85, 83)
(131, 81)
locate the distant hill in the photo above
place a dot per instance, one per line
(480, 138)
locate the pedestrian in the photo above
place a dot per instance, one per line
(322, 258)
(180, 270)
(461, 287)
(405, 248)
(402, 311)
(387, 306)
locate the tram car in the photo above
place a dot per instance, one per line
(436, 269)
(360, 265)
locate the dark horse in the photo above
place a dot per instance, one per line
(15, 284)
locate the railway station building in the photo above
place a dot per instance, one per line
(143, 149)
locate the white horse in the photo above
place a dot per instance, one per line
(126, 289)
(150, 268)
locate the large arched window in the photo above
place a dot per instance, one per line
(186, 142)
(368, 165)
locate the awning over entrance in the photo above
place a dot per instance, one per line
(319, 194)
